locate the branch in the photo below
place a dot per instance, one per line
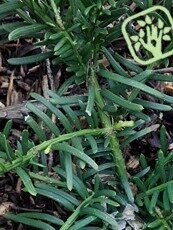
(164, 70)
(46, 146)
(18, 112)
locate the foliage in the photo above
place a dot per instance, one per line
(78, 34)
(155, 187)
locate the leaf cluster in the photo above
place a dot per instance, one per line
(89, 168)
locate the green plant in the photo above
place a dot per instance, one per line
(77, 34)
(155, 187)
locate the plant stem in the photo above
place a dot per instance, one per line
(47, 179)
(46, 145)
(114, 143)
(57, 15)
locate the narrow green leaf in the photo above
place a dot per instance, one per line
(56, 197)
(155, 224)
(60, 44)
(161, 166)
(61, 193)
(140, 4)
(106, 193)
(26, 181)
(72, 115)
(115, 14)
(64, 87)
(93, 143)
(30, 222)
(6, 147)
(143, 172)
(82, 223)
(114, 63)
(7, 7)
(69, 170)
(56, 36)
(168, 4)
(161, 77)
(153, 201)
(115, 77)
(101, 168)
(141, 116)
(140, 184)
(72, 100)
(77, 183)
(60, 116)
(170, 192)
(23, 14)
(163, 139)
(35, 126)
(121, 101)
(30, 59)
(101, 215)
(152, 105)
(166, 203)
(9, 27)
(128, 63)
(42, 216)
(139, 134)
(143, 161)
(7, 128)
(141, 77)
(79, 154)
(91, 98)
(24, 142)
(44, 117)
(26, 31)
(47, 179)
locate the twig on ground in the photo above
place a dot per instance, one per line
(10, 89)
(18, 112)
(49, 80)
(50, 75)
(164, 70)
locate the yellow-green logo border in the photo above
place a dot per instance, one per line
(129, 43)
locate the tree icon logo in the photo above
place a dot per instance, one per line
(149, 34)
